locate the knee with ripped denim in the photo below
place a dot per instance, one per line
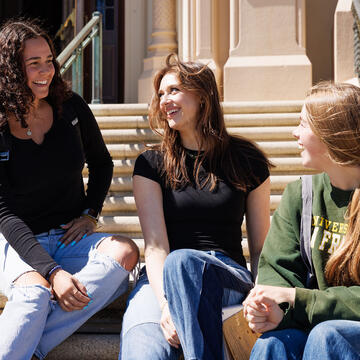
(122, 249)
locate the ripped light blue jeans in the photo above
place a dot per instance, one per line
(33, 323)
(197, 284)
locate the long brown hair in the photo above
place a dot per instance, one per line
(333, 112)
(232, 155)
(15, 95)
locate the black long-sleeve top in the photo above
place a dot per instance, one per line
(41, 186)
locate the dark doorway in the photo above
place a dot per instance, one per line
(49, 11)
(51, 14)
(113, 49)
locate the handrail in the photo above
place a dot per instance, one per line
(74, 53)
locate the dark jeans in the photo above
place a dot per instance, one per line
(197, 285)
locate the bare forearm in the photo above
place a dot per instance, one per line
(254, 262)
(154, 259)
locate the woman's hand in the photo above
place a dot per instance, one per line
(77, 230)
(168, 327)
(261, 308)
(69, 292)
(275, 293)
(262, 316)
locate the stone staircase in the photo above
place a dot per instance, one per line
(126, 132)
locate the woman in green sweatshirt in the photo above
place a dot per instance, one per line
(323, 322)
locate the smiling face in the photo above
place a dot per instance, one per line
(179, 106)
(314, 152)
(39, 67)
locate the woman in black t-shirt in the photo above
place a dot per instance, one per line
(192, 192)
(48, 247)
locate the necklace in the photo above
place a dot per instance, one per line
(28, 132)
(193, 154)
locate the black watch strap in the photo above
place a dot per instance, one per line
(92, 213)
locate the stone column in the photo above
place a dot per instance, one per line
(186, 29)
(204, 19)
(221, 41)
(163, 42)
(344, 43)
(135, 46)
(199, 32)
(267, 55)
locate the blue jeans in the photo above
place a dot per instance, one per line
(197, 284)
(34, 322)
(330, 340)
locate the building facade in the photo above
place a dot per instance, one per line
(258, 49)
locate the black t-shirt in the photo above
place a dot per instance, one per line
(197, 218)
(41, 186)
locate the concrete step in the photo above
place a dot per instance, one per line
(119, 183)
(119, 224)
(119, 203)
(98, 338)
(142, 136)
(87, 346)
(270, 119)
(289, 166)
(264, 133)
(231, 120)
(241, 107)
(127, 151)
(279, 148)
(279, 182)
(123, 122)
(119, 109)
(254, 107)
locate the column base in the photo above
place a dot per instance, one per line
(353, 81)
(343, 42)
(151, 66)
(261, 78)
(145, 82)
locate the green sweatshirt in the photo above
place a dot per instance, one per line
(281, 263)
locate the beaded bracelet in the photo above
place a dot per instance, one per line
(52, 270)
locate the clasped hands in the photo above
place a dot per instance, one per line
(261, 310)
(261, 307)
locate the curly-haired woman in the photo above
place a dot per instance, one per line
(57, 271)
(192, 192)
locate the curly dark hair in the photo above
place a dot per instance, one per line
(15, 95)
